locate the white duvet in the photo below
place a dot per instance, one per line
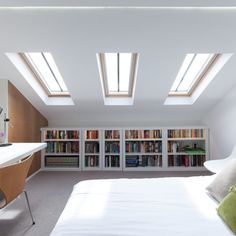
(135, 207)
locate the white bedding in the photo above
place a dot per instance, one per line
(135, 207)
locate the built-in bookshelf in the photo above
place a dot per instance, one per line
(92, 149)
(143, 149)
(112, 149)
(154, 149)
(63, 148)
(186, 148)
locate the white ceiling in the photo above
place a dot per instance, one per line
(161, 35)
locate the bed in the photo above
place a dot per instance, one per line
(135, 207)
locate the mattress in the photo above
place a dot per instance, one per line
(135, 207)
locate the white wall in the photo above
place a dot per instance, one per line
(221, 121)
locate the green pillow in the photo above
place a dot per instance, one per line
(227, 209)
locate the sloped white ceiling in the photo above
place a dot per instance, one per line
(161, 35)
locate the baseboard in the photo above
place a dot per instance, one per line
(35, 173)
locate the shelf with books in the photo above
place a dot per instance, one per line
(167, 149)
(112, 149)
(143, 149)
(62, 161)
(61, 134)
(186, 148)
(91, 149)
(63, 148)
(186, 160)
(193, 133)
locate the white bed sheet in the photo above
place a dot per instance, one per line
(135, 207)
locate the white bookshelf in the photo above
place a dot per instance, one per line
(63, 148)
(142, 149)
(112, 147)
(134, 149)
(92, 153)
(187, 148)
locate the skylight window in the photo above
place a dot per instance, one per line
(45, 69)
(194, 68)
(118, 71)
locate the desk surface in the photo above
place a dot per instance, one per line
(17, 151)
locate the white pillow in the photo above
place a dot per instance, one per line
(216, 166)
(223, 181)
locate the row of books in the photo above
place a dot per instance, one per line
(186, 133)
(112, 147)
(129, 134)
(61, 161)
(92, 134)
(112, 134)
(91, 161)
(186, 160)
(112, 161)
(142, 134)
(62, 147)
(143, 161)
(143, 146)
(182, 146)
(62, 134)
(92, 147)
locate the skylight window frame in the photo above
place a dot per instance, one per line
(103, 74)
(198, 80)
(39, 78)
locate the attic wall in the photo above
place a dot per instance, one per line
(222, 123)
(123, 119)
(25, 123)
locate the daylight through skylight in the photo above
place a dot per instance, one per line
(193, 69)
(45, 69)
(118, 72)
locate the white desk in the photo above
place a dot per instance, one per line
(17, 151)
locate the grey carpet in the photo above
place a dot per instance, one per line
(48, 193)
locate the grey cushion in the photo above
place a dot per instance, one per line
(223, 181)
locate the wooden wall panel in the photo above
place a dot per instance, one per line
(25, 122)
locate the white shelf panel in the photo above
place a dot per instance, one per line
(142, 153)
(91, 154)
(111, 140)
(61, 140)
(91, 140)
(184, 153)
(92, 168)
(144, 139)
(61, 168)
(112, 154)
(112, 168)
(182, 168)
(183, 139)
(145, 168)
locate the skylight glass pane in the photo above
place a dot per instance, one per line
(197, 66)
(182, 71)
(192, 69)
(125, 68)
(55, 70)
(45, 67)
(111, 70)
(118, 73)
(43, 70)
